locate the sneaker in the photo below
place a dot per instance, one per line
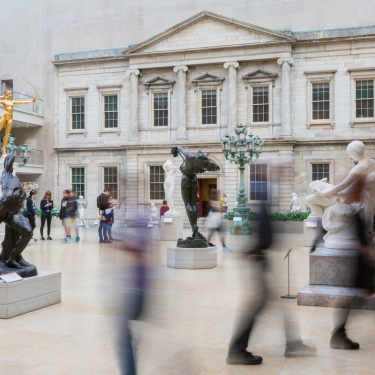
(299, 349)
(77, 239)
(226, 249)
(67, 239)
(49, 238)
(243, 358)
(42, 238)
(340, 340)
(101, 241)
(107, 241)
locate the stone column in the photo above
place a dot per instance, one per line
(232, 94)
(134, 121)
(286, 125)
(181, 82)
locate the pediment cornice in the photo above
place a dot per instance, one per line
(159, 82)
(208, 79)
(259, 75)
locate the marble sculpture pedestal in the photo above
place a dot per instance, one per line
(191, 258)
(171, 231)
(29, 294)
(332, 276)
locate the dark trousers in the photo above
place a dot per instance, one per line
(103, 230)
(43, 221)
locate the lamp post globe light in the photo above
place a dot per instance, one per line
(24, 150)
(242, 149)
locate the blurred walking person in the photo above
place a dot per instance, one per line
(46, 206)
(75, 216)
(134, 302)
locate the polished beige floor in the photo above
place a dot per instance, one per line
(189, 318)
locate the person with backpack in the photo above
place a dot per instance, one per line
(30, 211)
(102, 202)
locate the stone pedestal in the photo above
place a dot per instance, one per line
(193, 258)
(29, 294)
(332, 276)
(310, 229)
(171, 231)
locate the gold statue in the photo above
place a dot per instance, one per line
(7, 118)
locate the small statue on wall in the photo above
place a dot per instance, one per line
(294, 203)
(18, 232)
(153, 218)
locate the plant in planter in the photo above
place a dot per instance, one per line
(275, 216)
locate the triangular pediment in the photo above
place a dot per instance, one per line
(259, 73)
(208, 30)
(207, 79)
(158, 82)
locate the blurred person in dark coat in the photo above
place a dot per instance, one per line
(238, 354)
(134, 302)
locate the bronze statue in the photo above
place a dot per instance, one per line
(192, 164)
(18, 231)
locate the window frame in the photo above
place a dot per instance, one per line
(248, 189)
(199, 90)
(75, 92)
(71, 113)
(331, 163)
(316, 77)
(85, 177)
(148, 182)
(102, 166)
(265, 82)
(152, 92)
(109, 90)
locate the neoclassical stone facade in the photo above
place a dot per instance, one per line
(307, 94)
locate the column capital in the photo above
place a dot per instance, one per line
(235, 64)
(136, 72)
(288, 60)
(184, 68)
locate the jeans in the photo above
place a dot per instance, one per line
(103, 230)
(43, 221)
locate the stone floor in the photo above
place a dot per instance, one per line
(188, 322)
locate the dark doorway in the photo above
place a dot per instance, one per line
(205, 186)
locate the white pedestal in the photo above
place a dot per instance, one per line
(196, 258)
(171, 231)
(29, 294)
(310, 229)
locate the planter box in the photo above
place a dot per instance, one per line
(278, 226)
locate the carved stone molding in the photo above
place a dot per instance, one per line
(235, 65)
(259, 75)
(136, 72)
(159, 83)
(289, 60)
(184, 68)
(208, 79)
(28, 186)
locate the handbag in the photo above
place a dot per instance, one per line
(100, 215)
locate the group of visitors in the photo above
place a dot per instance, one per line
(106, 217)
(46, 206)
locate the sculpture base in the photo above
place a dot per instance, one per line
(190, 258)
(334, 296)
(241, 229)
(196, 241)
(171, 230)
(29, 270)
(30, 294)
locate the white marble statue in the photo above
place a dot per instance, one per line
(294, 203)
(169, 183)
(154, 217)
(338, 204)
(80, 210)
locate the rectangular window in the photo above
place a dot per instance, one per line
(209, 107)
(320, 171)
(157, 182)
(110, 111)
(110, 180)
(161, 109)
(78, 180)
(320, 101)
(261, 104)
(364, 105)
(6, 85)
(258, 182)
(78, 113)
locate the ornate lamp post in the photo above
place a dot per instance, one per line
(24, 150)
(235, 150)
